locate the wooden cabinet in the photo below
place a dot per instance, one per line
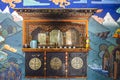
(55, 64)
(62, 42)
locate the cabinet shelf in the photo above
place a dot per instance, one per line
(84, 50)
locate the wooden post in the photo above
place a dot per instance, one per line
(66, 64)
(45, 64)
(64, 38)
(48, 38)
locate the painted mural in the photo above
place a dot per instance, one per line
(103, 29)
(11, 57)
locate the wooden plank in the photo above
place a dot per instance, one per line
(83, 50)
(64, 77)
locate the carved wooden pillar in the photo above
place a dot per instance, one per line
(47, 38)
(64, 38)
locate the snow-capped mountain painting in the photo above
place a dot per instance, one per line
(104, 27)
(109, 22)
(6, 10)
(16, 16)
(96, 27)
(9, 21)
(13, 16)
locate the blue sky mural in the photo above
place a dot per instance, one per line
(107, 5)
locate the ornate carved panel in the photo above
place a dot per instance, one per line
(34, 65)
(77, 29)
(56, 64)
(77, 64)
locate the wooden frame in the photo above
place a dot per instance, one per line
(33, 23)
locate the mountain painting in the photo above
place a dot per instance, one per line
(35, 3)
(103, 31)
(106, 1)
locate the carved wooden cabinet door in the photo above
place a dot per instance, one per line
(55, 64)
(77, 64)
(34, 64)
